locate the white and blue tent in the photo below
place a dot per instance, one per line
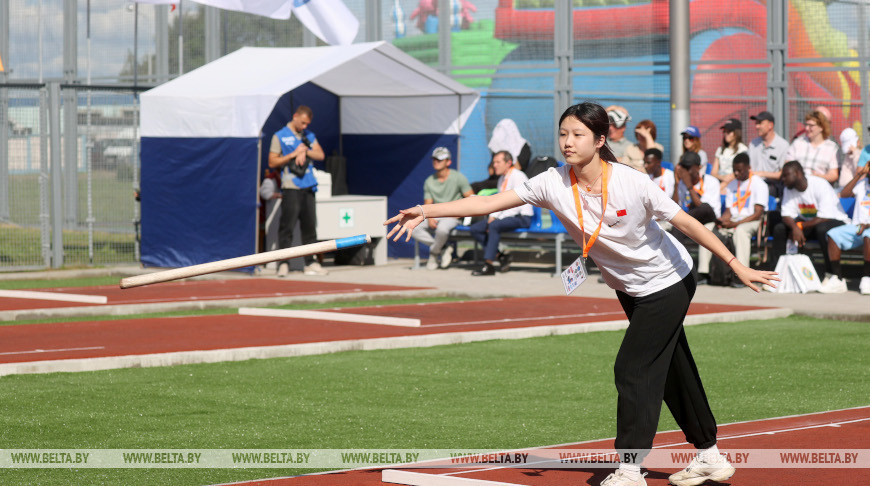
(205, 137)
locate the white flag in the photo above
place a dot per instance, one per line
(330, 20)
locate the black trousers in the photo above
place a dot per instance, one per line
(298, 205)
(654, 363)
(817, 232)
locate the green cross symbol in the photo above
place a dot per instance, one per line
(346, 218)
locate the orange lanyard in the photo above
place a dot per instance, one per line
(504, 182)
(579, 206)
(662, 180)
(741, 200)
(700, 190)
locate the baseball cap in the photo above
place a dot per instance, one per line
(691, 131)
(689, 159)
(618, 118)
(764, 115)
(441, 153)
(732, 124)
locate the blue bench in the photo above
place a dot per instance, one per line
(544, 230)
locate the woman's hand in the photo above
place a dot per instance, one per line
(748, 275)
(406, 220)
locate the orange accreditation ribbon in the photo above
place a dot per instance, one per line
(505, 180)
(579, 206)
(740, 202)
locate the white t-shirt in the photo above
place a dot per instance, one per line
(514, 178)
(862, 202)
(634, 254)
(709, 192)
(742, 197)
(818, 201)
(665, 181)
(726, 157)
(815, 160)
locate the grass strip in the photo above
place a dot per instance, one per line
(494, 394)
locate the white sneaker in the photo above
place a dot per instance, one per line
(864, 286)
(833, 285)
(698, 471)
(283, 270)
(432, 263)
(447, 257)
(315, 269)
(621, 478)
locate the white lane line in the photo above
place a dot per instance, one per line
(59, 350)
(32, 294)
(329, 316)
(530, 318)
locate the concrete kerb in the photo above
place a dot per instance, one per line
(130, 309)
(307, 349)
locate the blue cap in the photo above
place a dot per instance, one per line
(691, 131)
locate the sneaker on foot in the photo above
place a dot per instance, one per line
(432, 263)
(864, 286)
(833, 285)
(447, 257)
(621, 478)
(283, 270)
(504, 262)
(315, 269)
(698, 471)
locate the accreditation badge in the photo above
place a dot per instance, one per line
(574, 275)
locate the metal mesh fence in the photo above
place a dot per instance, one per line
(513, 51)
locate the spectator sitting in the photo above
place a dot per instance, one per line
(851, 236)
(506, 136)
(698, 194)
(692, 143)
(645, 133)
(746, 199)
(810, 208)
(664, 178)
(488, 231)
(813, 150)
(821, 109)
(850, 155)
(490, 184)
(767, 152)
(444, 185)
(732, 144)
(618, 117)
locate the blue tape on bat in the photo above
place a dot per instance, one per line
(351, 241)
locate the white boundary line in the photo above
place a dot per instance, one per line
(330, 316)
(58, 350)
(32, 294)
(422, 479)
(307, 349)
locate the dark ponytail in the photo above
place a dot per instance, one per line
(595, 118)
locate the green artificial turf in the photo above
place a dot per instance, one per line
(494, 394)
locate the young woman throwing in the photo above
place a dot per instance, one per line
(648, 268)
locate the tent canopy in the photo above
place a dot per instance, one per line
(382, 90)
(205, 136)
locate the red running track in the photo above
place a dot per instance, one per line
(197, 290)
(841, 429)
(92, 339)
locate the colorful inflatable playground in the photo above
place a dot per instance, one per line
(629, 39)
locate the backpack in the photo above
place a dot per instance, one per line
(540, 164)
(720, 273)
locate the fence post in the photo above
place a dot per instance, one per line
(5, 212)
(57, 213)
(70, 110)
(777, 82)
(563, 54)
(681, 74)
(44, 178)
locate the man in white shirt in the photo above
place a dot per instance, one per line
(851, 236)
(767, 152)
(810, 208)
(616, 140)
(698, 194)
(746, 200)
(664, 178)
(488, 230)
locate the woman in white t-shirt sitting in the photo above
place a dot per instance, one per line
(648, 268)
(732, 144)
(815, 151)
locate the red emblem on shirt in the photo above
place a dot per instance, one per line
(620, 212)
